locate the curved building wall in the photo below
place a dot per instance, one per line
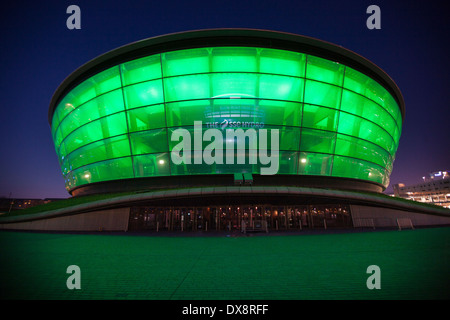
(333, 120)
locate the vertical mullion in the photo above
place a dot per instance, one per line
(337, 123)
(165, 112)
(126, 120)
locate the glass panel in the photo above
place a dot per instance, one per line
(314, 163)
(102, 171)
(282, 62)
(279, 112)
(234, 85)
(143, 94)
(358, 169)
(186, 112)
(363, 107)
(151, 165)
(146, 118)
(357, 148)
(147, 68)
(101, 106)
(186, 87)
(234, 59)
(186, 62)
(317, 141)
(234, 112)
(357, 81)
(96, 130)
(280, 88)
(324, 70)
(288, 163)
(361, 128)
(101, 150)
(54, 124)
(67, 105)
(322, 94)
(319, 117)
(289, 138)
(362, 84)
(106, 81)
(151, 141)
(103, 82)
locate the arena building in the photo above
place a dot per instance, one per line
(229, 129)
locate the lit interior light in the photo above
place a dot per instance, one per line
(161, 161)
(87, 175)
(303, 160)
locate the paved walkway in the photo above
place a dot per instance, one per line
(414, 264)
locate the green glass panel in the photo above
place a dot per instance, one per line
(189, 61)
(58, 138)
(363, 107)
(69, 181)
(314, 163)
(234, 112)
(101, 106)
(54, 124)
(319, 117)
(282, 62)
(186, 112)
(65, 107)
(101, 83)
(145, 118)
(396, 137)
(357, 81)
(317, 141)
(115, 147)
(322, 94)
(288, 163)
(61, 151)
(102, 171)
(289, 138)
(280, 88)
(152, 165)
(151, 141)
(218, 112)
(357, 169)
(324, 70)
(106, 80)
(361, 128)
(392, 107)
(357, 148)
(187, 87)
(143, 94)
(234, 59)
(362, 84)
(96, 130)
(143, 69)
(278, 112)
(234, 85)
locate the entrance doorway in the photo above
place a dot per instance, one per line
(263, 217)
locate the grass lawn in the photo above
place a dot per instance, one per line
(414, 264)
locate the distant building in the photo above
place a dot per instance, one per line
(8, 204)
(434, 189)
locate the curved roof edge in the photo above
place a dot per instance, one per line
(226, 37)
(128, 200)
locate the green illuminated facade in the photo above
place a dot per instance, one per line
(335, 120)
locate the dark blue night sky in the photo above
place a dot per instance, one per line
(38, 52)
